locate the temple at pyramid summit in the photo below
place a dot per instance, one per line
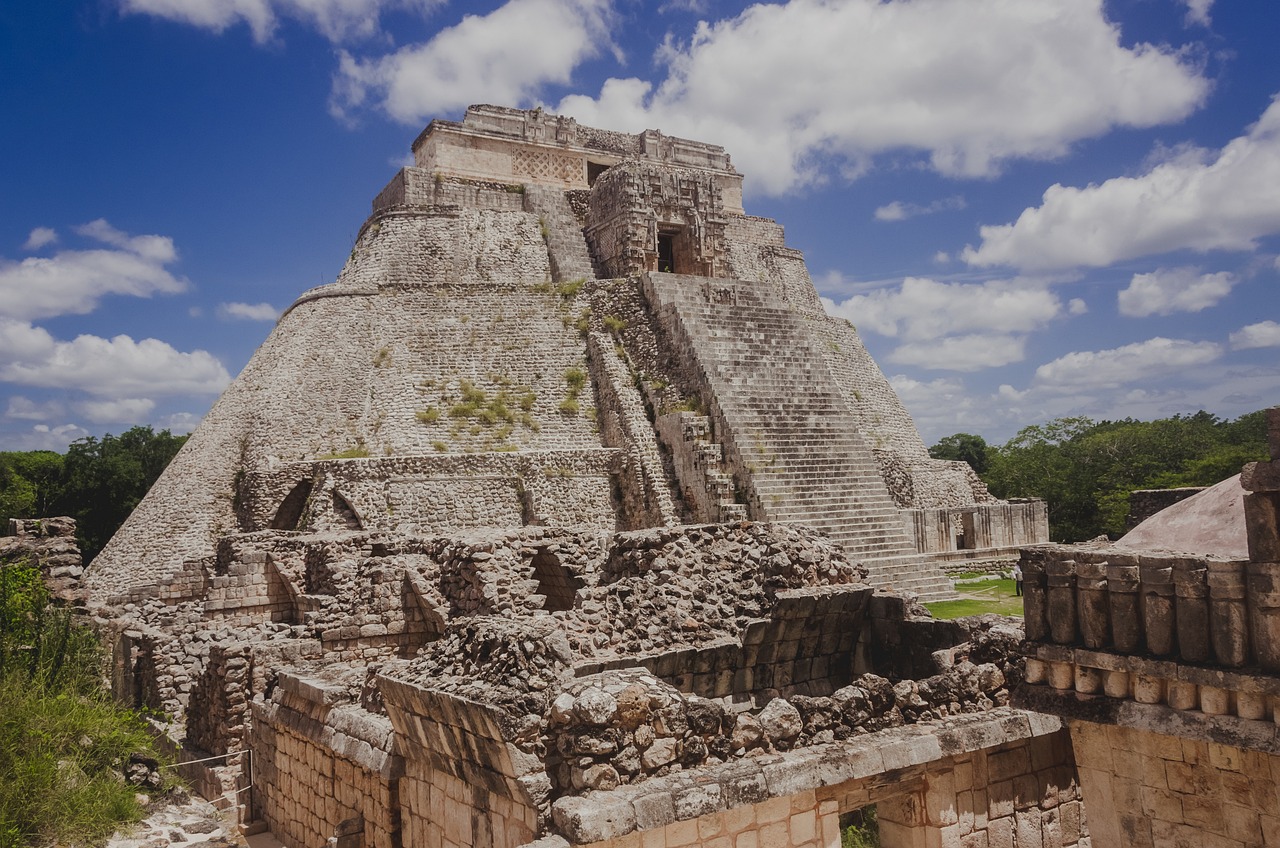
(566, 515)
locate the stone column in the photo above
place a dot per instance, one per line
(1262, 526)
(1263, 589)
(1123, 603)
(1092, 604)
(1060, 577)
(1035, 600)
(1228, 612)
(1156, 576)
(1191, 590)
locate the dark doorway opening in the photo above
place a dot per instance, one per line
(594, 170)
(290, 511)
(554, 582)
(667, 253)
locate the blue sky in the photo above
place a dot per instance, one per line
(1029, 209)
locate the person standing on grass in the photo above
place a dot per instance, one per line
(1017, 579)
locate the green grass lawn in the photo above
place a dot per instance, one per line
(992, 596)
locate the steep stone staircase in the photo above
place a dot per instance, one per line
(566, 246)
(785, 430)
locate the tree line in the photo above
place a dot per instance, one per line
(98, 482)
(1085, 469)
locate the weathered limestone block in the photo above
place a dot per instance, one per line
(1191, 590)
(1228, 612)
(1092, 604)
(1158, 608)
(1035, 599)
(1061, 589)
(1264, 612)
(1123, 603)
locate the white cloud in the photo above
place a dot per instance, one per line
(953, 326)
(44, 437)
(40, 237)
(1132, 363)
(505, 57)
(25, 408)
(900, 211)
(248, 311)
(1262, 334)
(1198, 11)
(1192, 201)
(1169, 290)
(337, 20)
(73, 281)
(1024, 80)
(125, 410)
(180, 423)
(1077, 306)
(962, 353)
(116, 367)
(922, 309)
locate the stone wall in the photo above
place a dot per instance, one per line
(999, 781)
(323, 769)
(1151, 790)
(992, 532)
(1144, 503)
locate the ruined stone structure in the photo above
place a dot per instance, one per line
(1167, 666)
(565, 515)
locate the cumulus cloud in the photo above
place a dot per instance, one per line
(248, 311)
(73, 281)
(337, 20)
(1169, 290)
(1026, 80)
(1198, 11)
(900, 211)
(126, 410)
(954, 326)
(1262, 334)
(922, 309)
(24, 408)
(44, 437)
(116, 367)
(506, 56)
(1077, 306)
(40, 237)
(1131, 363)
(1193, 201)
(962, 353)
(180, 423)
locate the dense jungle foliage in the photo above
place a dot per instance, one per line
(1085, 469)
(63, 742)
(98, 482)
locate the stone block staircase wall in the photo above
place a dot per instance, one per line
(786, 431)
(566, 245)
(697, 461)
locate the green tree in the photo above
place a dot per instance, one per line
(30, 482)
(962, 447)
(103, 480)
(1086, 469)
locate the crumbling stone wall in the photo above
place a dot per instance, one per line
(48, 544)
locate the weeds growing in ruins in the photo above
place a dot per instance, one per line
(576, 378)
(63, 741)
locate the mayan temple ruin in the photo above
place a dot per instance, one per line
(567, 517)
